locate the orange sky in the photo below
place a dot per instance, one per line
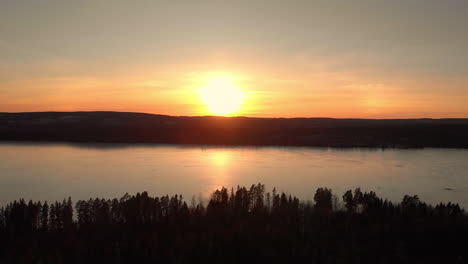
(302, 60)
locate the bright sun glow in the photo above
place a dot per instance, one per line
(221, 96)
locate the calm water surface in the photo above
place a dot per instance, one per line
(54, 171)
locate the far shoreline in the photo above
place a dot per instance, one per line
(140, 128)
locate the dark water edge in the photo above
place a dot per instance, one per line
(103, 145)
(117, 127)
(109, 144)
(235, 224)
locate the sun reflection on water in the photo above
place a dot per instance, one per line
(220, 171)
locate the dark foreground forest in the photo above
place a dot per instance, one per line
(118, 127)
(237, 225)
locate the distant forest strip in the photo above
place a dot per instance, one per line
(118, 127)
(358, 227)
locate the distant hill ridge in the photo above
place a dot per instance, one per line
(128, 127)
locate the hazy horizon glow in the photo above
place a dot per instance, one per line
(301, 58)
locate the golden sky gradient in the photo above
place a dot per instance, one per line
(368, 59)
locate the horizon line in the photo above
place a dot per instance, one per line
(239, 116)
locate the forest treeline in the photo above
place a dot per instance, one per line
(357, 227)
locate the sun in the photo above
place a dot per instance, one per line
(221, 97)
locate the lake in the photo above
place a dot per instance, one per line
(50, 171)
